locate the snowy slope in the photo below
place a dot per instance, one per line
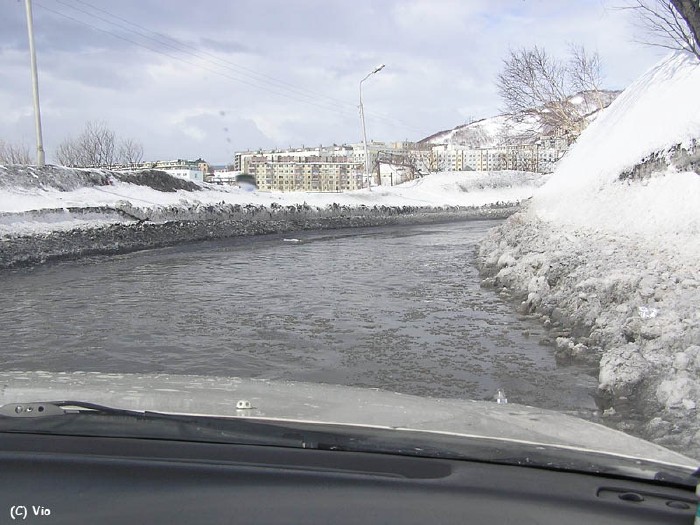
(491, 132)
(607, 253)
(658, 111)
(525, 128)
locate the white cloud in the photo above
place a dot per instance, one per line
(287, 74)
(440, 16)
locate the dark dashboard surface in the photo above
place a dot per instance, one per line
(62, 479)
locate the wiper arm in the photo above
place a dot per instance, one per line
(59, 408)
(92, 419)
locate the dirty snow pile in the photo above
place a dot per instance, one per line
(34, 200)
(608, 254)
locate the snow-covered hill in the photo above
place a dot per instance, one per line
(523, 128)
(608, 253)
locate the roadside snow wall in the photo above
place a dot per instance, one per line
(123, 231)
(607, 252)
(53, 213)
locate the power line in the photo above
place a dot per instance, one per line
(198, 52)
(201, 66)
(264, 82)
(231, 65)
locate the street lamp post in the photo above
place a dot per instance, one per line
(35, 86)
(364, 128)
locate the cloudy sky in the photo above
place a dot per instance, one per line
(208, 78)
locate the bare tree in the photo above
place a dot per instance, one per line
(671, 24)
(584, 72)
(421, 161)
(503, 135)
(96, 147)
(14, 153)
(532, 81)
(67, 154)
(97, 143)
(130, 152)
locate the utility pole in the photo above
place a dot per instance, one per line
(364, 129)
(35, 86)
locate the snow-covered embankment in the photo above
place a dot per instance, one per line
(607, 252)
(57, 213)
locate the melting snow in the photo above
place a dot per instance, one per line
(617, 259)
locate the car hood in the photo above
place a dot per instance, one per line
(305, 402)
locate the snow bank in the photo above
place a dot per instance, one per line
(606, 253)
(657, 112)
(56, 213)
(51, 187)
(155, 196)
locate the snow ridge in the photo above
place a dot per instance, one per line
(611, 261)
(520, 129)
(657, 112)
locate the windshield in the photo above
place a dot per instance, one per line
(337, 212)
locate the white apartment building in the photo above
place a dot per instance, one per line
(185, 169)
(540, 157)
(341, 168)
(312, 173)
(322, 168)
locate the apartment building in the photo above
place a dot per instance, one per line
(539, 157)
(310, 173)
(184, 169)
(341, 167)
(322, 168)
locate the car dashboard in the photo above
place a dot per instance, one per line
(86, 479)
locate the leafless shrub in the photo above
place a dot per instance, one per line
(67, 154)
(93, 147)
(96, 146)
(130, 152)
(14, 153)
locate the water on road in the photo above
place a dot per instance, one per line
(397, 308)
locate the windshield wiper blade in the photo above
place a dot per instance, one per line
(58, 408)
(92, 419)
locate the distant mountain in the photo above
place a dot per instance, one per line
(523, 128)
